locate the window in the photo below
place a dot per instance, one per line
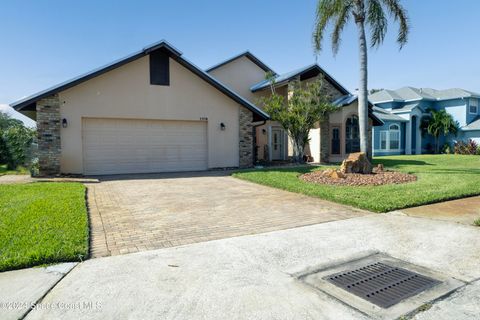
(352, 136)
(383, 140)
(336, 140)
(390, 140)
(473, 109)
(394, 140)
(394, 137)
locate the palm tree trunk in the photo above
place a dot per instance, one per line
(363, 85)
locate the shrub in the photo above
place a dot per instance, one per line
(469, 148)
(15, 142)
(478, 151)
(18, 141)
(446, 149)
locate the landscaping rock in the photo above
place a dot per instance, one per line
(327, 173)
(337, 175)
(334, 174)
(380, 168)
(356, 163)
(358, 179)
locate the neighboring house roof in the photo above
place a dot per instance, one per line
(384, 115)
(407, 108)
(349, 99)
(472, 126)
(414, 94)
(174, 54)
(27, 122)
(305, 72)
(246, 54)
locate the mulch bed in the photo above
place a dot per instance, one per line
(357, 179)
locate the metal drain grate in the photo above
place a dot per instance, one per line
(382, 284)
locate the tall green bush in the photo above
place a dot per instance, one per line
(15, 142)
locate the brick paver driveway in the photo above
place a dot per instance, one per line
(143, 212)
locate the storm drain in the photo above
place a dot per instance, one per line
(381, 284)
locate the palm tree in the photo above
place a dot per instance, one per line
(365, 13)
(438, 123)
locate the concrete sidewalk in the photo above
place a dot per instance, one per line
(250, 277)
(21, 289)
(464, 210)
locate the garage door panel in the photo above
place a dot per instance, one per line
(137, 146)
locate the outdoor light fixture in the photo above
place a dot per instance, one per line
(64, 123)
(222, 126)
(264, 131)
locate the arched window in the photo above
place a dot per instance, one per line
(352, 135)
(394, 137)
(390, 140)
(394, 127)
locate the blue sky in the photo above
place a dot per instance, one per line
(46, 42)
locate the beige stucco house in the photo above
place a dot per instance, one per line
(154, 111)
(330, 141)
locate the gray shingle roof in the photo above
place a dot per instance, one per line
(407, 108)
(414, 94)
(474, 125)
(384, 115)
(349, 99)
(286, 77)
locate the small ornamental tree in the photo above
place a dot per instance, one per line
(307, 105)
(438, 123)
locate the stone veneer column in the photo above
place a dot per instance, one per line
(245, 138)
(325, 141)
(48, 132)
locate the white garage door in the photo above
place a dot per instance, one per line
(113, 146)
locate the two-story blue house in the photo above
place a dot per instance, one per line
(402, 111)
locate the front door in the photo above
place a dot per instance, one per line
(277, 144)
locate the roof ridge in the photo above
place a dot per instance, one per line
(247, 54)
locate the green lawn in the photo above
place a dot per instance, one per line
(440, 177)
(4, 170)
(42, 223)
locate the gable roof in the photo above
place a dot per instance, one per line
(306, 72)
(349, 99)
(247, 54)
(407, 108)
(385, 115)
(472, 126)
(161, 45)
(415, 94)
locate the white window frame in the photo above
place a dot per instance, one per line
(387, 135)
(473, 103)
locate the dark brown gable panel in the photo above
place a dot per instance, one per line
(159, 68)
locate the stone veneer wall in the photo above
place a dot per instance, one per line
(332, 93)
(324, 141)
(48, 133)
(245, 138)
